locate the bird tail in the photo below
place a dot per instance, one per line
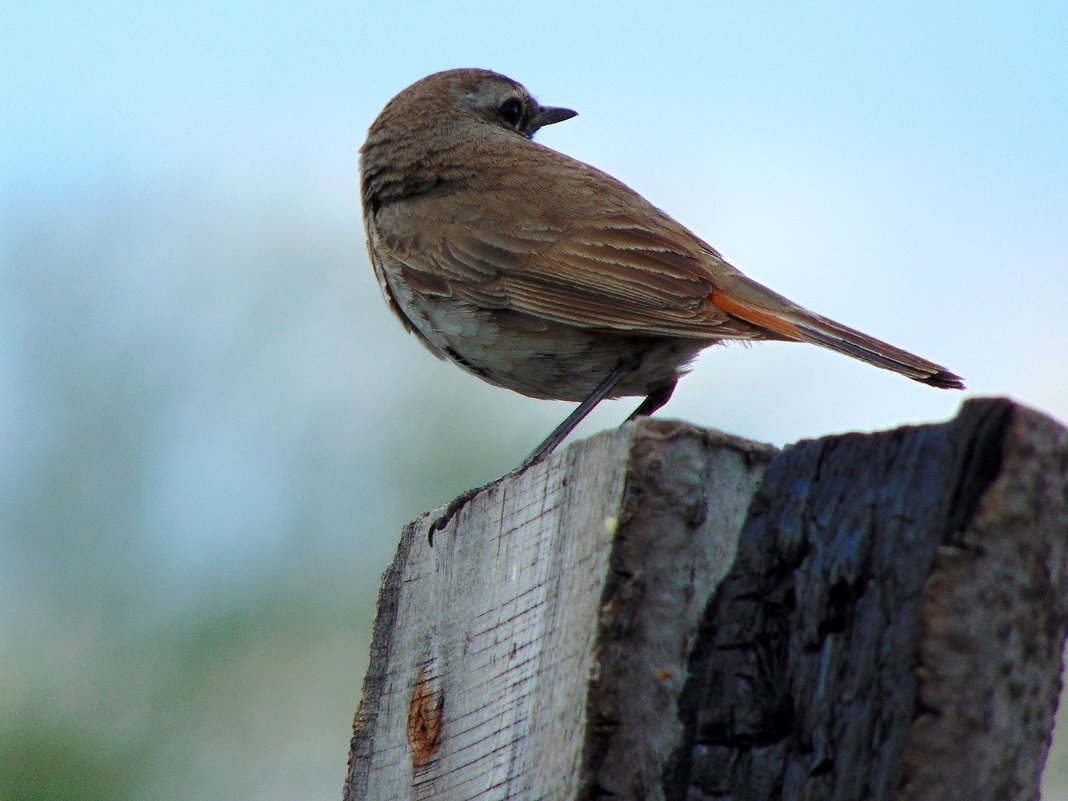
(765, 309)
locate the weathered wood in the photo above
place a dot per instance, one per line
(893, 624)
(890, 628)
(593, 567)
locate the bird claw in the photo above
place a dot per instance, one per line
(460, 501)
(455, 505)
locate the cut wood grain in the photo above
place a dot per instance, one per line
(666, 612)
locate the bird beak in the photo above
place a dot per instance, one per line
(549, 115)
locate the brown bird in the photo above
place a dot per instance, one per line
(542, 274)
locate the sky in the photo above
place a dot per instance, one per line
(902, 169)
(186, 305)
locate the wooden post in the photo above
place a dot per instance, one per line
(666, 612)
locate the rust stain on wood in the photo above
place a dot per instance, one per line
(426, 712)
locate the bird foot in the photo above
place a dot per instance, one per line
(456, 504)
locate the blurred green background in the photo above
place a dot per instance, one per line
(212, 431)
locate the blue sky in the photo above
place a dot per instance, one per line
(154, 87)
(903, 168)
(195, 360)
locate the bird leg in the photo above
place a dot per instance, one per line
(655, 400)
(603, 390)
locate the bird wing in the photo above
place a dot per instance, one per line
(590, 265)
(545, 237)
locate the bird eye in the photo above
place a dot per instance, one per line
(512, 111)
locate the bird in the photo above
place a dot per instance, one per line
(542, 274)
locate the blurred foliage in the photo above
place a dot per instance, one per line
(213, 433)
(248, 702)
(43, 761)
